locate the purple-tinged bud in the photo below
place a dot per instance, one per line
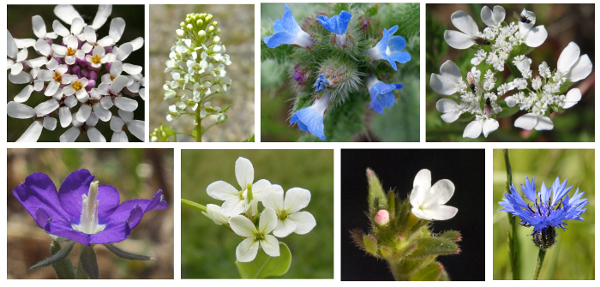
(91, 84)
(49, 41)
(108, 49)
(75, 69)
(300, 74)
(365, 24)
(85, 73)
(107, 66)
(93, 75)
(382, 218)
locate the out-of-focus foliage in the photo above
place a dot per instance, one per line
(136, 173)
(237, 34)
(564, 23)
(208, 250)
(572, 257)
(350, 120)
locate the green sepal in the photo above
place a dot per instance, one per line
(167, 130)
(377, 198)
(226, 108)
(124, 254)
(431, 272)
(433, 246)
(450, 235)
(357, 237)
(370, 244)
(88, 263)
(264, 266)
(58, 256)
(392, 205)
(63, 268)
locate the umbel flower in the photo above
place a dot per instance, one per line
(550, 208)
(82, 210)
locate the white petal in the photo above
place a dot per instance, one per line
(473, 130)
(132, 69)
(212, 212)
(270, 245)
(242, 226)
(138, 129)
(573, 97)
(544, 123)
(117, 26)
(49, 123)
(510, 101)
(296, 199)
(22, 55)
(60, 50)
(450, 109)
(489, 126)
(16, 68)
(11, 49)
(527, 121)
(246, 250)
(105, 41)
(95, 136)
(24, 43)
(19, 111)
(119, 137)
(116, 68)
(568, 57)
(43, 47)
(46, 107)
(581, 69)
(273, 197)
(106, 102)
(66, 13)
(116, 124)
(464, 22)
(70, 135)
(21, 78)
(77, 26)
(39, 27)
(90, 34)
(137, 43)
(126, 116)
(83, 113)
(304, 220)
(124, 51)
(267, 221)
(441, 212)
(126, 104)
(60, 29)
(24, 94)
(244, 172)
(64, 114)
(441, 192)
(32, 134)
(101, 16)
(221, 190)
(234, 206)
(52, 88)
(458, 40)
(103, 114)
(536, 36)
(118, 83)
(284, 227)
(442, 85)
(421, 186)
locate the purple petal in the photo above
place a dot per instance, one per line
(38, 192)
(71, 190)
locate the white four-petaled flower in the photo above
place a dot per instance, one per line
(289, 217)
(255, 237)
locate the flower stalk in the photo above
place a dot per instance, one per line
(538, 263)
(512, 225)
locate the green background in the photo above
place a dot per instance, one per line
(208, 250)
(572, 256)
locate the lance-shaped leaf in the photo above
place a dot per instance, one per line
(63, 268)
(434, 246)
(126, 255)
(376, 194)
(88, 262)
(60, 255)
(451, 235)
(264, 266)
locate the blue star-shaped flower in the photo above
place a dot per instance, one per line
(337, 24)
(382, 94)
(287, 31)
(390, 48)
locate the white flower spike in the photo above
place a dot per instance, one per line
(246, 251)
(289, 217)
(428, 201)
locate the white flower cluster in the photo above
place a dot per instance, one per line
(506, 44)
(281, 214)
(197, 54)
(81, 72)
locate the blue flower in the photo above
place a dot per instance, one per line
(310, 119)
(321, 83)
(287, 31)
(550, 208)
(382, 94)
(390, 48)
(337, 24)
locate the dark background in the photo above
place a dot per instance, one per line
(396, 170)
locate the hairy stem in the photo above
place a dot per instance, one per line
(538, 264)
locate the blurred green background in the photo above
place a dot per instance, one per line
(208, 250)
(136, 173)
(19, 24)
(399, 123)
(573, 255)
(564, 23)
(237, 34)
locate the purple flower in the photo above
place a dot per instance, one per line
(382, 94)
(82, 210)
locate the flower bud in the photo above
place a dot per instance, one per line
(216, 40)
(208, 18)
(200, 22)
(382, 218)
(190, 27)
(182, 25)
(545, 238)
(210, 29)
(214, 23)
(201, 34)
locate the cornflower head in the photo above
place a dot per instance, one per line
(197, 64)
(76, 72)
(550, 209)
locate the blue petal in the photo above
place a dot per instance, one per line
(286, 29)
(382, 96)
(337, 24)
(278, 39)
(392, 30)
(309, 120)
(396, 43)
(321, 83)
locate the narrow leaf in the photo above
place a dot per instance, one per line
(450, 235)
(63, 268)
(88, 262)
(60, 255)
(264, 266)
(434, 246)
(126, 255)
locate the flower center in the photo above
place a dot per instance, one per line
(88, 221)
(283, 214)
(96, 59)
(71, 51)
(57, 77)
(77, 85)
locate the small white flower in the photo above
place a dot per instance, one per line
(212, 212)
(573, 97)
(479, 125)
(428, 201)
(289, 217)
(469, 31)
(450, 80)
(450, 109)
(135, 127)
(246, 251)
(534, 121)
(236, 201)
(571, 65)
(532, 36)
(98, 58)
(493, 18)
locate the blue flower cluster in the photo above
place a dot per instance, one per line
(550, 207)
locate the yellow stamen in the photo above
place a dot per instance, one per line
(96, 59)
(77, 85)
(57, 77)
(71, 52)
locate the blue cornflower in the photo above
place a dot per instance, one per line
(550, 208)
(287, 31)
(310, 119)
(382, 94)
(321, 83)
(337, 24)
(390, 48)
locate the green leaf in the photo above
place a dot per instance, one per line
(225, 108)
(450, 235)
(88, 262)
(60, 255)
(63, 268)
(434, 246)
(431, 272)
(506, 111)
(250, 139)
(264, 266)
(126, 255)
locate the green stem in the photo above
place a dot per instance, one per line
(198, 127)
(512, 238)
(538, 264)
(193, 205)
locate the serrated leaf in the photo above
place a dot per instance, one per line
(264, 266)
(431, 272)
(60, 255)
(433, 246)
(88, 262)
(124, 254)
